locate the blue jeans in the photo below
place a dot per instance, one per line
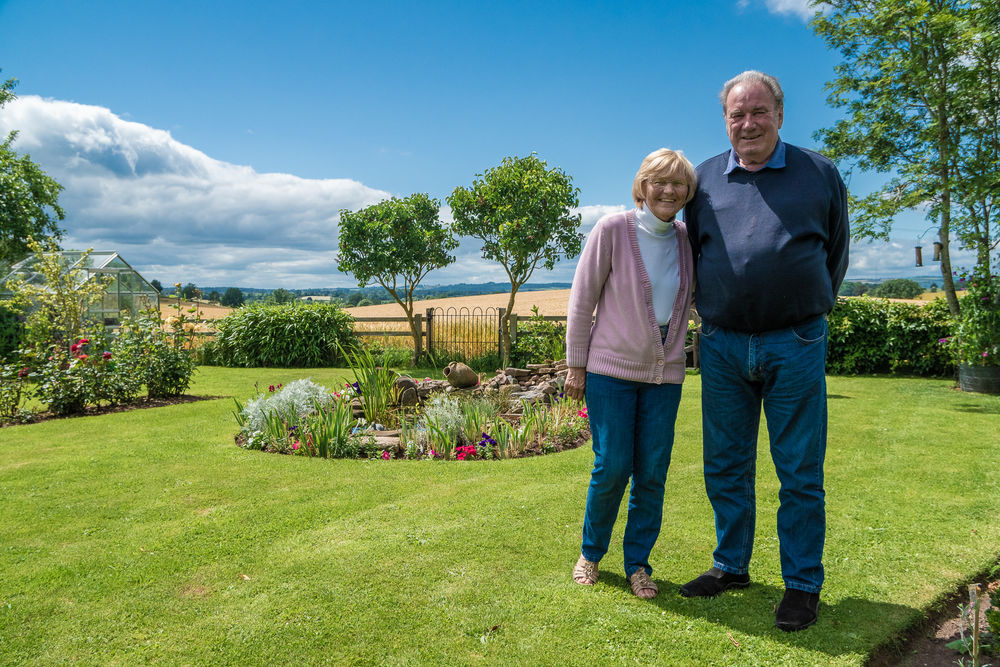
(632, 425)
(785, 371)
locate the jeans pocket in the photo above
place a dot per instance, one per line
(811, 332)
(707, 329)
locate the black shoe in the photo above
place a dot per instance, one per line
(714, 582)
(797, 610)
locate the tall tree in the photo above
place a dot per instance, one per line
(396, 243)
(917, 98)
(520, 210)
(233, 297)
(29, 206)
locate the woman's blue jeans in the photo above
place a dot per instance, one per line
(783, 370)
(632, 425)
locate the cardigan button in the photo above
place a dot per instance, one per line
(659, 362)
(659, 380)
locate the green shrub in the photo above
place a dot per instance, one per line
(869, 336)
(287, 336)
(11, 331)
(538, 340)
(154, 357)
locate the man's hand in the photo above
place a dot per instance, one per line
(576, 382)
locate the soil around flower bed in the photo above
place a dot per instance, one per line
(926, 644)
(141, 404)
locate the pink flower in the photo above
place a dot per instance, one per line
(84, 341)
(295, 445)
(23, 372)
(434, 454)
(270, 387)
(985, 354)
(582, 413)
(386, 455)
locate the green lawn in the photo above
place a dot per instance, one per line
(148, 536)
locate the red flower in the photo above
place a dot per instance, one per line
(270, 387)
(23, 372)
(84, 341)
(74, 347)
(106, 356)
(81, 357)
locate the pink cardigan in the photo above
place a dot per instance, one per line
(624, 341)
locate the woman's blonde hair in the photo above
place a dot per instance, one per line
(664, 162)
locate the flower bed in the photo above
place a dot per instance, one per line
(520, 412)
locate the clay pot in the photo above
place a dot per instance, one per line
(460, 376)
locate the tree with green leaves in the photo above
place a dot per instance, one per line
(281, 296)
(29, 198)
(898, 288)
(233, 297)
(396, 243)
(57, 307)
(919, 83)
(190, 291)
(521, 211)
(155, 284)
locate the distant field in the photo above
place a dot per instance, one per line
(549, 302)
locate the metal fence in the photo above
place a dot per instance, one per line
(469, 332)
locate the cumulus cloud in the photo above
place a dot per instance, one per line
(177, 214)
(169, 207)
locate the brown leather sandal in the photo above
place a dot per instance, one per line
(642, 586)
(585, 572)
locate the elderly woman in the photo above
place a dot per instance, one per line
(636, 269)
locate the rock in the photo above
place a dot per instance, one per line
(460, 376)
(409, 397)
(517, 372)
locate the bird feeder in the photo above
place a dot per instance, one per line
(937, 250)
(920, 255)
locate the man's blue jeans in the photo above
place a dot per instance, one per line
(785, 371)
(632, 425)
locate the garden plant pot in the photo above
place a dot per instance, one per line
(981, 379)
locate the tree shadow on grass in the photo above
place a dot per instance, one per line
(847, 626)
(979, 408)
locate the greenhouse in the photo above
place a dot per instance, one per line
(128, 290)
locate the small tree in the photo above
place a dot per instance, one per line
(155, 284)
(29, 205)
(396, 243)
(520, 210)
(233, 298)
(281, 296)
(57, 307)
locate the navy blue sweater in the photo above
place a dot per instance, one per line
(770, 246)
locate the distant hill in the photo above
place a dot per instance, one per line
(377, 294)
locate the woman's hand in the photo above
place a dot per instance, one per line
(576, 383)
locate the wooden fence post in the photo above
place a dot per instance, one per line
(500, 322)
(418, 343)
(430, 332)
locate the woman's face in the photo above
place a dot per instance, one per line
(664, 195)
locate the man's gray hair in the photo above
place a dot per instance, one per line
(753, 76)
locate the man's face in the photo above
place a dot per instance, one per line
(752, 123)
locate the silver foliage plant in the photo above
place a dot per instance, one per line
(300, 395)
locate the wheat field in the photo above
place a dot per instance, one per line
(549, 302)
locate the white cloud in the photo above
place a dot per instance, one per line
(176, 213)
(799, 8)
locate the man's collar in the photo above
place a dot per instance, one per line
(777, 160)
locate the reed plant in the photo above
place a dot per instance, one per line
(375, 382)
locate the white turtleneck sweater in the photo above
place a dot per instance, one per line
(658, 248)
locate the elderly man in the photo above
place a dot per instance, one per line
(768, 226)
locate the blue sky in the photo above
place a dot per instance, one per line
(216, 142)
